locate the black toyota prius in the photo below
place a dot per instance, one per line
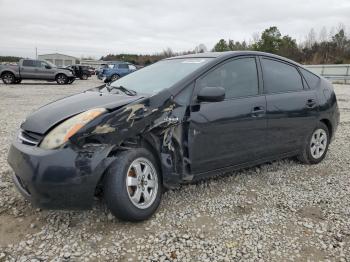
(179, 120)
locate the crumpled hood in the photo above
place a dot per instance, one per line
(51, 114)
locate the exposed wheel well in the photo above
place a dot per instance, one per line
(143, 142)
(7, 72)
(329, 126)
(60, 74)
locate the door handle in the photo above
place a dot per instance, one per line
(258, 111)
(311, 103)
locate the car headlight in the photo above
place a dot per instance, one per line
(61, 133)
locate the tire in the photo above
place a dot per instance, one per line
(84, 77)
(62, 79)
(114, 77)
(8, 78)
(125, 189)
(316, 145)
(18, 81)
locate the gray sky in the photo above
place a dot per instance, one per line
(96, 28)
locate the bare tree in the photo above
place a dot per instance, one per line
(255, 37)
(201, 48)
(168, 52)
(323, 36)
(310, 38)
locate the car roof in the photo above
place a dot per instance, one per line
(229, 54)
(116, 62)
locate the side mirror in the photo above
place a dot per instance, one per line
(211, 94)
(48, 67)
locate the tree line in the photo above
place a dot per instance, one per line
(327, 49)
(332, 48)
(9, 59)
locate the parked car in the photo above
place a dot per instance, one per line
(36, 70)
(115, 70)
(100, 69)
(92, 70)
(179, 120)
(80, 71)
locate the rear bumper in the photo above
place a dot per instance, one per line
(57, 179)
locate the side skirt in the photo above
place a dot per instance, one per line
(220, 171)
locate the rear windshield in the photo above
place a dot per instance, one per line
(161, 75)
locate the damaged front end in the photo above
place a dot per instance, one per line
(63, 172)
(155, 123)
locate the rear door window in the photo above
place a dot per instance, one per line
(311, 79)
(29, 63)
(280, 77)
(124, 66)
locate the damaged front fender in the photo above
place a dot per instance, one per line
(160, 126)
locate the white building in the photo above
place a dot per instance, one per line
(59, 60)
(93, 63)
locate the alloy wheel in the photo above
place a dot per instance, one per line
(318, 143)
(61, 79)
(142, 183)
(8, 78)
(114, 77)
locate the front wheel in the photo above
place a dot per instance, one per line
(133, 187)
(316, 146)
(84, 77)
(62, 79)
(114, 77)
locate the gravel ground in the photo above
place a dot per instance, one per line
(275, 212)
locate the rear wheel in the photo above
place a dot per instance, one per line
(8, 78)
(316, 146)
(62, 79)
(133, 186)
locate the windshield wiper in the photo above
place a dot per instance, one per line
(127, 91)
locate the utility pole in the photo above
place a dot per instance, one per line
(36, 53)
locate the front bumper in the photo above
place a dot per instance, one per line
(58, 179)
(101, 76)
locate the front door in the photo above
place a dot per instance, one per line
(230, 132)
(123, 69)
(45, 71)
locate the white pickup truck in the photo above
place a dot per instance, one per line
(35, 70)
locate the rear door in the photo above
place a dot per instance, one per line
(28, 69)
(230, 132)
(292, 108)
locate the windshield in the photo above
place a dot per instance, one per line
(50, 64)
(161, 75)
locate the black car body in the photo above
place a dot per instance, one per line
(81, 71)
(196, 128)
